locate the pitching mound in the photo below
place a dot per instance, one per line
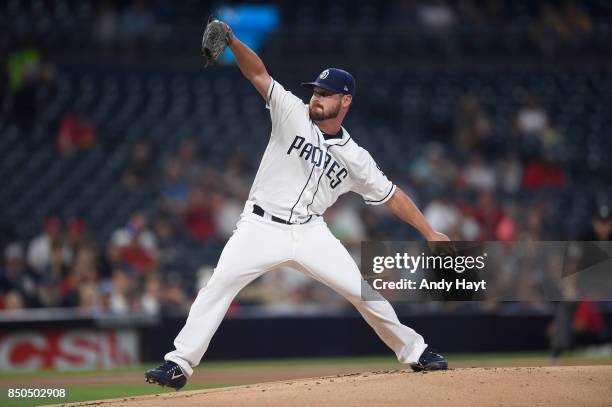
(520, 386)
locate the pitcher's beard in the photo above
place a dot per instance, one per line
(320, 116)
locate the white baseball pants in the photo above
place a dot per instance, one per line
(259, 245)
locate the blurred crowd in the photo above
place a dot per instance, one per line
(552, 22)
(471, 185)
(462, 191)
(475, 187)
(552, 26)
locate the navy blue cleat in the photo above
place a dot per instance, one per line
(167, 375)
(430, 361)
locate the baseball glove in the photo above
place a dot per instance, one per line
(217, 36)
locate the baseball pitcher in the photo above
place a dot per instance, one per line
(309, 162)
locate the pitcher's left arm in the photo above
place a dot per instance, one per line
(404, 208)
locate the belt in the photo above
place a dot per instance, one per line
(258, 210)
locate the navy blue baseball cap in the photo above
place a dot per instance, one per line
(335, 80)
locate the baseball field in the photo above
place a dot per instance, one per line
(474, 380)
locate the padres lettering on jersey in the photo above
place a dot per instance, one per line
(302, 174)
(315, 155)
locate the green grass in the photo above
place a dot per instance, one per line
(277, 363)
(492, 357)
(218, 365)
(83, 393)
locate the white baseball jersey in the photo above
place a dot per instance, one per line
(301, 173)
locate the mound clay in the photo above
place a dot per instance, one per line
(508, 386)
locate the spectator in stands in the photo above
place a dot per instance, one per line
(78, 235)
(543, 173)
(25, 103)
(601, 225)
(507, 227)
(528, 284)
(578, 320)
(28, 74)
(551, 143)
(198, 218)
(89, 299)
(235, 175)
(13, 301)
(23, 63)
(138, 173)
(49, 283)
(167, 241)
(79, 287)
(110, 259)
(174, 300)
(468, 228)
(531, 117)
(541, 146)
(106, 24)
(174, 189)
(532, 224)
(479, 175)
(189, 156)
(39, 249)
(16, 277)
(137, 22)
(136, 244)
(510, 173)
(286, 290)
(120, 292)
(345, 223)
(8, 232)
(550, 29)
(588, 324)
(442, 215)
(472, 126)
(433, 170)
(537, 135)
(226, 210)
(577, 19)
(150, 299)
(282, 289)
(76, 133)
(436, 15)
(488, 214)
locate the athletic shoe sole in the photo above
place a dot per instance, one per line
(442, 365)
(154, 380)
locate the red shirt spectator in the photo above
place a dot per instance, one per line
(136, 244)
(488, 214)
(588, 318)
(198, 217)
(137, 258)
(541, 174)
(75, 133)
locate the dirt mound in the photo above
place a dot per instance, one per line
(519, 386)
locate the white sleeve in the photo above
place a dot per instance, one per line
(370, 182)
(281, 103)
